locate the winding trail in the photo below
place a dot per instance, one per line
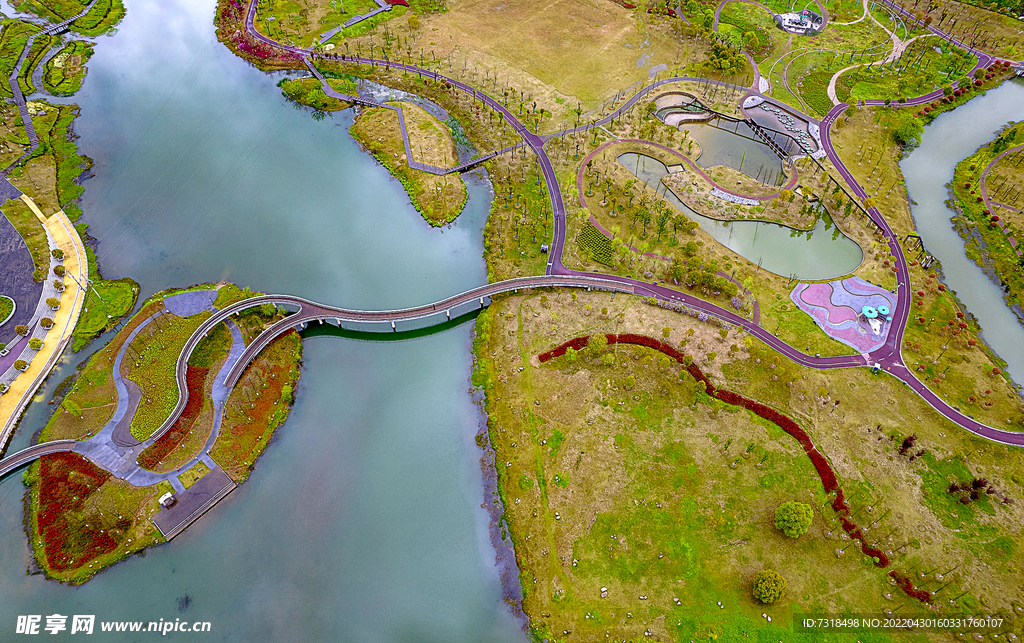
(887, 358)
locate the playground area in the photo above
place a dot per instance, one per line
(852, 311)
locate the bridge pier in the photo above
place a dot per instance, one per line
(393, 327)
(448, 314)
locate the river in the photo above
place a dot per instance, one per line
(363, 519)
(950, 138)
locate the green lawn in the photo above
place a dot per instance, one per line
(106, 302)
(6, 307)
(155, 353)
(32, 231)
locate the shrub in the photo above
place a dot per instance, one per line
(35, 343)
(46, 322)
(59, 271)
(21, 329)
(21, 364)
(58, 254)
(58, 285)
(768, 586)
(53, 302)
(794, 518)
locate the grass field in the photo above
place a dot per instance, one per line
(609, 46)
(105, 303)
(12, 41)
(438, 198)
(640, 508)
(309, 92)
(193, 475)
(154, 355)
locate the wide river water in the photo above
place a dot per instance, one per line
(950, 138)
(363, 521)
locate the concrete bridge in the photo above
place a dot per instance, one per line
(25, 456)
(385, 321)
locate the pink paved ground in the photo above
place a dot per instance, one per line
(835, 307)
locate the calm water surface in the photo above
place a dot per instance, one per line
(822, 253)
(950, 138)
(363, 520)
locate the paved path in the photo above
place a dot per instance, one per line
(410, 161)
(887, 357)
(19, 97)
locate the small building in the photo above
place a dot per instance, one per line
(804, 23)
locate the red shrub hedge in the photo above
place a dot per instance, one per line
(907, 585)
(66, 480)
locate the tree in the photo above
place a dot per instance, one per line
(768, 586)
(35, 343)
(57, 253)
(596, 344)
(21, 364)
(794, 518)
(46, 322)
(21, 329)
(53, 302)
(59, 271)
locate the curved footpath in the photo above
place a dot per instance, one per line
(887, 357)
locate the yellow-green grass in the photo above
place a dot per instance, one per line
(50, 175)
(1006, 173)
(257, 406)
(303, 21)
(64, 73)
(151, 363)
(996, 33)
(624, 477)
(439, 198)
(33, 233)
(193, 475)
(926, 71)
(40, 46)
(6, 307)
(603, 41)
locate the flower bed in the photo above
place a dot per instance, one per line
(821, 465)
(195, 378)
(68, 542)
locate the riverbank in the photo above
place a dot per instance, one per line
(990, 229)
(438, 198)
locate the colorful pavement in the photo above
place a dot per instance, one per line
(836, 307)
